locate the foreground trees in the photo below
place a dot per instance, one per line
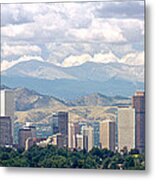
(52, 157)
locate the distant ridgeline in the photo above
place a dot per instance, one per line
(26, 99)
(70, 83)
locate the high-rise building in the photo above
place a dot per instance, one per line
(7, 103)
(74, 129)
(88, 140)
(6, 131)
(79, 140)
(126, 128)
(138, 102)
(96, 133)
(107, 134)
(26, 132)
(7, 106)
(60, 125)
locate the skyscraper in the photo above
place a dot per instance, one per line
(74, 129)
(6, 131)
(79, 140)
(60, 125)
(24, 133)
(107, 134)
(126, 128)
(96, 133)
(7, 103)
(7, 109)
(88, 140)
(138, 102)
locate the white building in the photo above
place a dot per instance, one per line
(7, 103)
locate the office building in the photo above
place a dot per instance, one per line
(138, 103)
(88, 140)
(7, 107)
(74, 129)
(6, 138)
(96, 133)
(126, 128)
(79, 141)
(24, 133)
(107, 134)
(7, 103)
(60, 125)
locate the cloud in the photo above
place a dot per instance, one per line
(121, 10)
(5, 64)
(100, 30)
(76, 60)
(20, 50)
(134, 58)
(56, 31)
(96, 58)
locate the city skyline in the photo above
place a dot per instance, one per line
(73, 84)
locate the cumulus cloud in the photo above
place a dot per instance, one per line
(96, 58)
(55, 31)
(134, 58)
(19, 50)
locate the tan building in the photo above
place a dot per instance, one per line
(73, 130)
(88, 139)
(79, 140)
(126, 128)
(107, 134)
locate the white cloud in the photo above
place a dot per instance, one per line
(97, 58)
(19, 50)
(100, 30)
(76, 60)
(74, 23)
(134, 58)
(5, 64)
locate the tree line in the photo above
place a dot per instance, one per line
(52, 157)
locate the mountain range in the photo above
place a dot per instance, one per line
(26, 99)
(69, 83)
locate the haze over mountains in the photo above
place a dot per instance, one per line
(26, 99)
(110, 78)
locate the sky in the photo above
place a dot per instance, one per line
(69, 34)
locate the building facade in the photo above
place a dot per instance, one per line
(6, 138)
(25, 133)
(7, 107)
(107, 134)
(88, 140)
(126, 128)
(138, 102)
(60, 125)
